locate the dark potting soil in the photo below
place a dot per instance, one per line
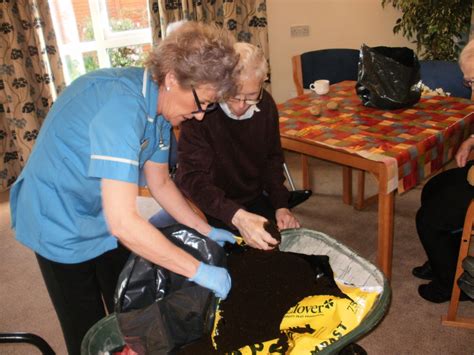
(272, 229)
(265, 285)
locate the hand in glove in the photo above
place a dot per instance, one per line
(220, 236)
(215, 278)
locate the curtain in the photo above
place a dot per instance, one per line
(30, 78)
(246, 19)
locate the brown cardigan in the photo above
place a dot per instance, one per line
(225, 163)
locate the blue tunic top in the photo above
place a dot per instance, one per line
(104, 125)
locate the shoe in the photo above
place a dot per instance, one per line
(434, 293)
(352, 349)
(466, 284)
(468, 265)
(423, 272)
(298, 196)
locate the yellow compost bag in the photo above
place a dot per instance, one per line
(316, 322)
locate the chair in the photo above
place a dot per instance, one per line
(296, 196)
(27, 338)
(335, 65)
(444, 74)
(452, 319)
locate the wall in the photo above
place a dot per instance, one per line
(333, 24)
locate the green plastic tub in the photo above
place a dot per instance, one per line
(347, 265)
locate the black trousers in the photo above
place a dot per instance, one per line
(261, 206)
(439, 221)
(82, 293)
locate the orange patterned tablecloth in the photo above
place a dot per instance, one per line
(413, 142)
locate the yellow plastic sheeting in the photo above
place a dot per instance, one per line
(316, 322)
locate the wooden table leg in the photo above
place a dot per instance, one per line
(347, 185)
(385, 232)
(305, 172)
(360, 197)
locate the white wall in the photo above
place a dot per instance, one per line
(333, 24)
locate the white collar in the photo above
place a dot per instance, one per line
(248, 114)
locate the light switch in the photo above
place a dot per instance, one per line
(299, 31)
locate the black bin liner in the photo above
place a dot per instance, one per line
(158, 310)
(389, 77)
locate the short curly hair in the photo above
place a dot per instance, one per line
(197, 54)
(252, 62)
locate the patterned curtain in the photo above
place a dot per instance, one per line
(247, 19)
(30, 79)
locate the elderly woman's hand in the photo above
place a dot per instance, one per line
(250, 226)
(285, 219)
(463, 152)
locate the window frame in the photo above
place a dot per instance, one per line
(104, 38)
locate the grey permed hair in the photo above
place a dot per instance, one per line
(197, 54)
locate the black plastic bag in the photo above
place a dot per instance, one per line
(389, 77)
(158, 310)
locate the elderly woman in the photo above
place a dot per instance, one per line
(231, 164)
(439, 221)
(74, 204)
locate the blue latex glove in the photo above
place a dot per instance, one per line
(215, 278)
(220, 236)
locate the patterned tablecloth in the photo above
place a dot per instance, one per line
(413, 142)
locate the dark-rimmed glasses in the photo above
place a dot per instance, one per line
(210, 106)
(249, 101)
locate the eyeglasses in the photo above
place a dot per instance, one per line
(468, 82)
(210, 106)
(249, 101)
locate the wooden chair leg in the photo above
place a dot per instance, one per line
(144, 191)
(451, 319)
(361, 201)
(305, 172)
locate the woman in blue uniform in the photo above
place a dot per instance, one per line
(74, 203)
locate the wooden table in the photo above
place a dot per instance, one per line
(400, 148)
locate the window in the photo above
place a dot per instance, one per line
(94, 34)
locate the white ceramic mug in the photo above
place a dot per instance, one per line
(320, 87)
